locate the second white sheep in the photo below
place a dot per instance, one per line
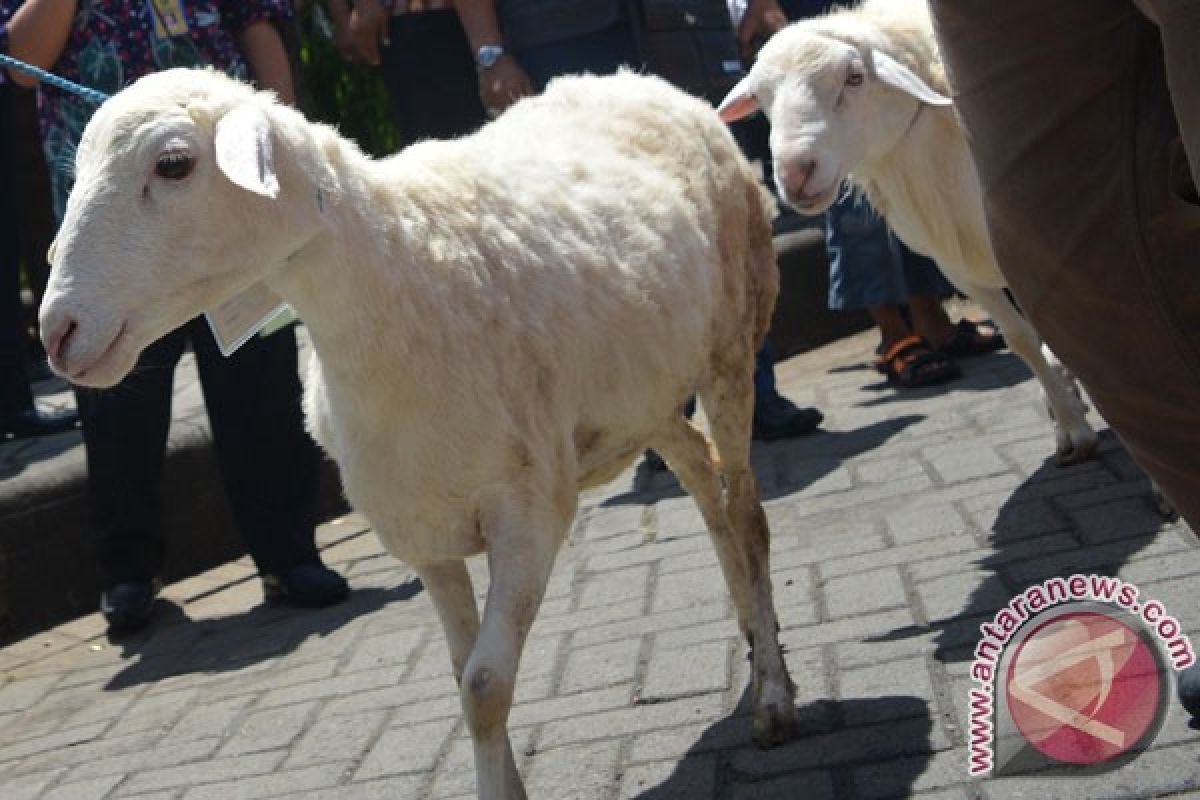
(861, 95)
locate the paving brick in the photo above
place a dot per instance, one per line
(208, 720)
(582, 772)
(386, 650)
(28, 786)
(616, 586)
(19, 695)
(963, 594)
(145, 758)
(560, 707)
(344, 738)
(601, 665)
(84, 790)
(186, 775)
(621, 722)
(693, 778)
(686, 589)
(1119, 520)
(284, 783)
(410, 749)
(363, 680)
(269, 729)
(681, 671)
(864, 592)
(809, 785)
(904, 737)
(913, 525)
(651, 623)
(154, 712)
(873, 685)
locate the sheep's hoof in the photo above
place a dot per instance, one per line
(1075, 449)
(774, 724)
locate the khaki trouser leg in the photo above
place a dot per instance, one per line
(1067, 107)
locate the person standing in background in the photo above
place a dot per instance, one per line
(268, 463)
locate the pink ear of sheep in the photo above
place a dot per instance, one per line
(243, 147)
(740, 102)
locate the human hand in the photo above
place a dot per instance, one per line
(365, 29)
(763, 18)
(502, 84)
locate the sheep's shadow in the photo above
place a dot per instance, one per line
(176, 645)
(980, 374)
(1041, 532)
(885, 742)
(783, 467)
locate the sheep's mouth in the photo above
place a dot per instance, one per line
(109, 367)
(813, 204)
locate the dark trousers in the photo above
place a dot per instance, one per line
(268, 463)
(15, 395)
(1070, 106)
(430, 75)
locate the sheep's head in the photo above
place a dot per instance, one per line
(177, 206)
(832, 105)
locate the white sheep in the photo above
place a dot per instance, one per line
(497, 321)
(860, 95)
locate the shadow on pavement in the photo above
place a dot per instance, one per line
(885, 742)
(177, 645)
(783, 467)
(1036, 537)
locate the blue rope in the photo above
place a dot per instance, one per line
(85, 92)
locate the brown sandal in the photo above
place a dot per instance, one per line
(911, 363)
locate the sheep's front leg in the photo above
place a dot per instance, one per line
(522, 545)
(1076, 441)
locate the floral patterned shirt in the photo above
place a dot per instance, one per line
(114, 42)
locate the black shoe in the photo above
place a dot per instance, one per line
(31, 422)
(306, 586)
(129, 606)
(780, 418)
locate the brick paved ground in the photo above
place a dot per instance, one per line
(896, 531)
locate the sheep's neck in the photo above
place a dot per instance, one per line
(924, 194)
(358, 276)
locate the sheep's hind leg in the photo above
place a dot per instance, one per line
(522, 545)
(738, 528)
(1076, 440)
(453, 596)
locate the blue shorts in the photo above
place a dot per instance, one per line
(868, 266)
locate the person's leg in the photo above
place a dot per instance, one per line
(430, 76)
(125, 436)
(269, 464)
(775, 416)
(1109, 279)
(18, 416)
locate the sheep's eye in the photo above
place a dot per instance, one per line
(854, 79)
(174, 165)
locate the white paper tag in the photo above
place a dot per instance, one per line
(237, 319)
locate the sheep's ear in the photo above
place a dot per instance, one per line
(739, 103)
(893, 73)
(243, 145)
